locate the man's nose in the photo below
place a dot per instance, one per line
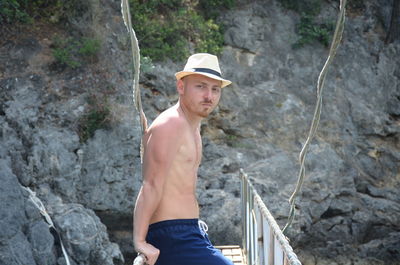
(208, 94)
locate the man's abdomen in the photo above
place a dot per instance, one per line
(174, 206)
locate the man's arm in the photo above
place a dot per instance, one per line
(160, 149)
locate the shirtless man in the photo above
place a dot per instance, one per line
(166, 226)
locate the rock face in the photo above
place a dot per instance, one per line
(16, 248)
(26, 237)
(348, 211)
(42, 108)
(353, 165)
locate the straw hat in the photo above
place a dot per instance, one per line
(203, 64)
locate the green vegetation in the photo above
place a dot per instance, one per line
(146, 64)
(67, 52)
(11, 10)
(89, 47)
(73, 53)
(26, 11)
(309, 7)
(309, 30)
(165, 28)
(97, 117)
(232, 140)
(174, 28)
(236, 142)
(356, 5)
(212, 8)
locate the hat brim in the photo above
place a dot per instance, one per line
(182, 74)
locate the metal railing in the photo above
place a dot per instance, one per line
(263, 240)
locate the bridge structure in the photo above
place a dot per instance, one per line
(263, 242)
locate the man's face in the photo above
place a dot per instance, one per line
(199, 94)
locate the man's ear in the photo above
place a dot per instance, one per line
(180, 86)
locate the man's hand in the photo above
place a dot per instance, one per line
(149, 251)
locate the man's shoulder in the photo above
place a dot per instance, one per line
(168, 121)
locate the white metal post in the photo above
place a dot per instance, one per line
(267, 239)
(278, 253)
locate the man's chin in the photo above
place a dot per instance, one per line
(204, 114)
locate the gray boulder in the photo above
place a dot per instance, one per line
(84, 236)
(24, 237)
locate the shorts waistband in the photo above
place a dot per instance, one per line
(174, 222)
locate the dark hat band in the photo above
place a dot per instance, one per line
(207, 70)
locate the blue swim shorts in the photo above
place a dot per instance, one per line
(184, 242)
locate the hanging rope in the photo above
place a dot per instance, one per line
(126, 15)
(317, 113)
(39, 205)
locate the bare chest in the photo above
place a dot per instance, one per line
(190, 151)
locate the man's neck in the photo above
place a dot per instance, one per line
(193, 120)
